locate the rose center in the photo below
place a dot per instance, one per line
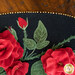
(60, 63)
(69, 68)
(16, 68)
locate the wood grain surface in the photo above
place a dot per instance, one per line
(61, 6)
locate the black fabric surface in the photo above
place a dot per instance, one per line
(59, 28)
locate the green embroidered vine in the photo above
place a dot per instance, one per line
(63, 42)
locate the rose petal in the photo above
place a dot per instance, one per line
(8, 36)
(70, 52)
(7, 62)
(8, 49)
(19, 73)
(45, 56)
(51, 66)
(18, 51)
(26, 66)
(8, 71)
(61, 56)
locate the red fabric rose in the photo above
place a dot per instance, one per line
(18, 68)
(22, 23)
(10, 49)
(54, 61)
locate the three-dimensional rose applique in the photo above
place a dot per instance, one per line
(10, 49)
(18, 68)
(55, 61)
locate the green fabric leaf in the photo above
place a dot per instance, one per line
(2, 71)
(13, 32)
(42, 44)
(40, 33)
(74, 51)
(30, 44)
(37, 69)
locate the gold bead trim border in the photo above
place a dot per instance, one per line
(38, 12)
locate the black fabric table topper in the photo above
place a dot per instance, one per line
(59, 27)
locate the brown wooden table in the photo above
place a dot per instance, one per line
(61, 6)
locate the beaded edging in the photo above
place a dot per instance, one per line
(38, 12)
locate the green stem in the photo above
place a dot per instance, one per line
(25, 36)
(31, 52)
(63, 42)
(34, 57)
